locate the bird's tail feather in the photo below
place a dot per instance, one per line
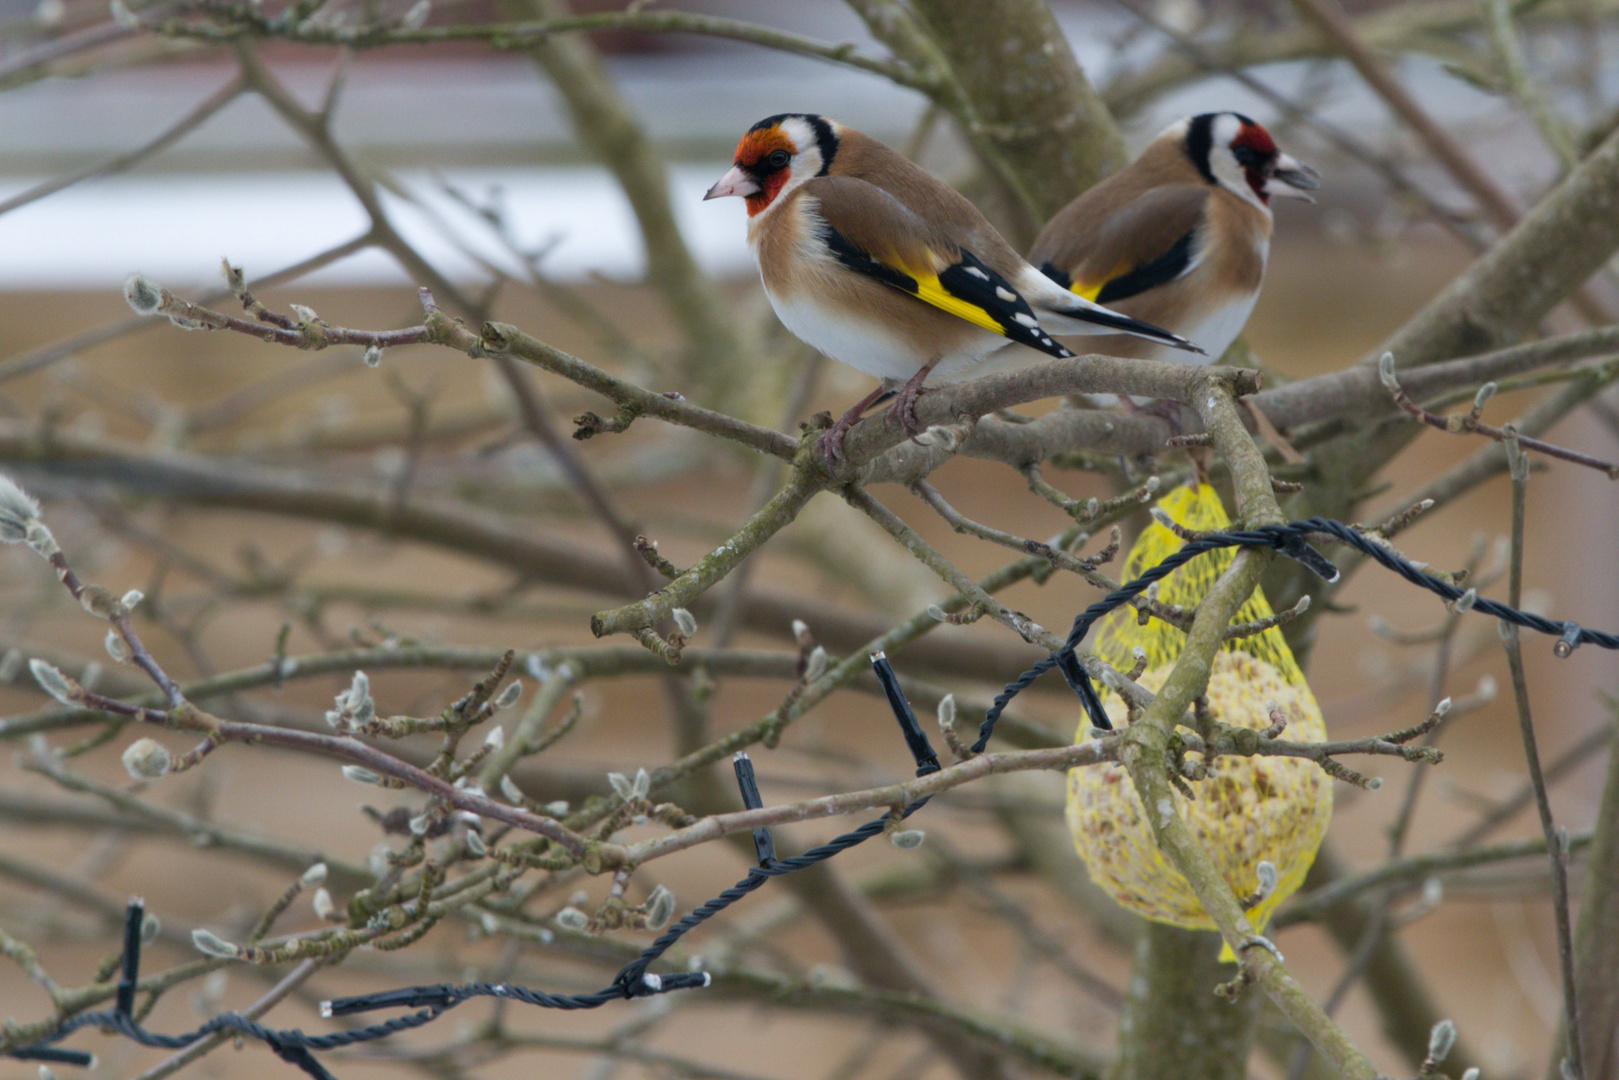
(1064, 312)
(1084, 317)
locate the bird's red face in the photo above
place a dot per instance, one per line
(1268, 170)
(776, 153)
(767, 156)
(761, 168)
(1254, 149)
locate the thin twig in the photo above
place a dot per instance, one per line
(1519, 470)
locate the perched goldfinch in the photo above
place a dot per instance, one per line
(1250, 810)
(1178, 238)
(875, 263)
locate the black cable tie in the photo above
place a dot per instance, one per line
(1293, 546)
(764, 848)
(1079, 681)
(55, 1055)
(130, 969)
(915, 738)
(1568, 642)
(411, 997)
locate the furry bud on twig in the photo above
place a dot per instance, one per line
(475, 844)
(660, 908)
(906, 839)
(947, 711)
(373, 355)
(416, 17)
(18, 511)
(117, 647)
(1485, 393)
(1464, 603)
(1440, 1041)
(214, 945)
(571, 918)
(685, 621)
(1385, 372)
(557, 809)
(1266, 873)
(361, 775)
(801, 632)
(815, 666)
(621, 785)
(151, 926)
(52, 681)
(304, 314)
(147, 759)
(1472, 1073)
(641, 787)
(131, 600)
(495, 738)
(354, 705)
(143, 295)
(322, 903)
(936, 613)
(509, 788)
(313, 876)
(508, 697)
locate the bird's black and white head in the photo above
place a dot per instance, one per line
(777, 154)
(1232, 151)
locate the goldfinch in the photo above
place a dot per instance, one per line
(1249, 810)
(877, 264)
(1179, 237)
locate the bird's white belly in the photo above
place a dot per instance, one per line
(1219, 327)
(870, 346)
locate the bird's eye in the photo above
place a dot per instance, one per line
(778, 159)
(1248, 157)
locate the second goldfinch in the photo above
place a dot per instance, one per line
(877, 264)
(1178, 238)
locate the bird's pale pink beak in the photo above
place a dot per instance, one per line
(735, 182)
(1292, 179)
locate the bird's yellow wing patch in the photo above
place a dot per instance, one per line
(1087, 292)
(931, 290)
(965, 288)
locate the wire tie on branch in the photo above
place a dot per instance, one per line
(764, 848)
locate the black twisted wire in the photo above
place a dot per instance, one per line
(1289, 539)
(632, 981)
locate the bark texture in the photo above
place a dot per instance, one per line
(1173, 1023)
(1596, 945)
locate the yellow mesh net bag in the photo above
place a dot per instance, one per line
(1253, 809)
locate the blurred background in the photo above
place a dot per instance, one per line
(478, 168)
